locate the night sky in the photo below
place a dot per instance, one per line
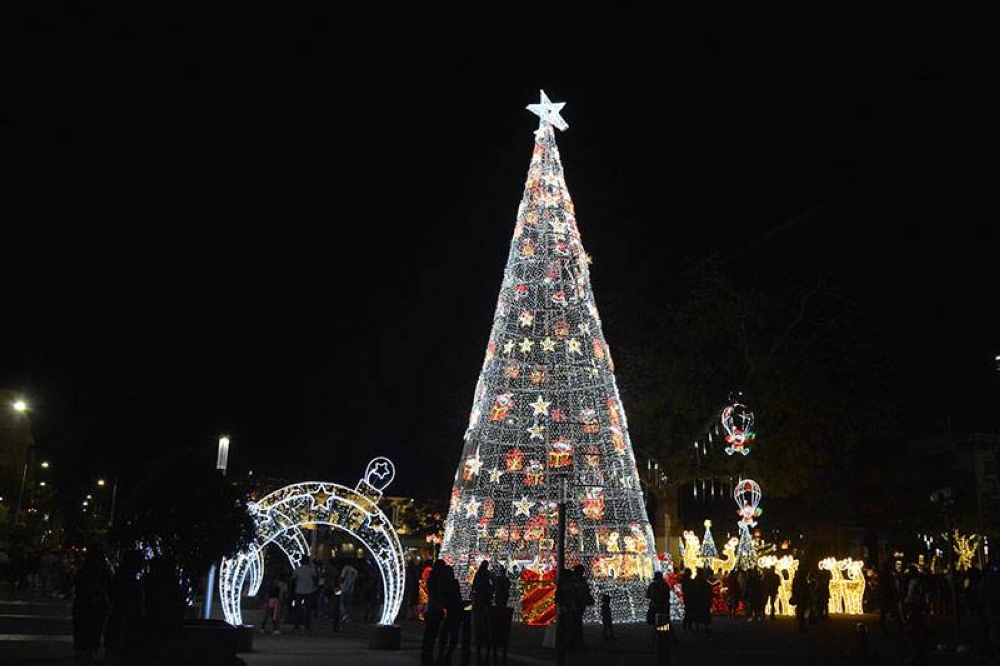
(292, 228)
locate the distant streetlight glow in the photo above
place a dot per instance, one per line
(41, 483)
(20, 406)
(223, 460)
(100, 482)
(45, 464)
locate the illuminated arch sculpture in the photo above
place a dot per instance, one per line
(281, 515)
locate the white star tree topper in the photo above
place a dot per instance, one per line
(548, 111)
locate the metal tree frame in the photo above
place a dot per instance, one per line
(281, 515)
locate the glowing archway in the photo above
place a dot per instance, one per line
(280, 516)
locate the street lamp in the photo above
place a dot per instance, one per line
(222, 462)
(20, 407)
(45, 464)
(100, 482)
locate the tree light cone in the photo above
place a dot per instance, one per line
(547, 406)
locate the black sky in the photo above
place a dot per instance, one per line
(292, 227)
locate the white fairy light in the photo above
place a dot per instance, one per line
(280, 515)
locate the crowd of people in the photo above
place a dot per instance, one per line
(338, 589)
(44, 571)
(443, 611)
(348, 589)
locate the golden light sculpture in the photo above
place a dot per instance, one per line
(847, 585)
(693, 560)
(724, 565)
(785, 566)
(965, 549)
(691, 551)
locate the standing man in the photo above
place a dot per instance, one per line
(771, 584)
(304, 586)
(347, 577)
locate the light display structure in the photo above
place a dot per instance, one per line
(547, 406)
(280, 516)
(785, 566)
(747, 496)
(847, 585)
(737, 421)
(708, 550)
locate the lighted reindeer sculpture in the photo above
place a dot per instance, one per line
(847, 585)
(785, 567)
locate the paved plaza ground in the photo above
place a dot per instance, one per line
(37, 630)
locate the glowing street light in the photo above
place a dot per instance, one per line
(223, 460)
(45, 464)
(100, 482)
(20, 406)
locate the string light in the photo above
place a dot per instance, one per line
(280, 516)
(547, 406)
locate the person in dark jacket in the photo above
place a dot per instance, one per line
(482, 597)
(753, 593)
(771, 583)
(658, 594)
(434, 613)
(501, 587)
(888, 598)
(690, 599)
(454, 607)
(801, 595)
(126, 606)
(91, 601)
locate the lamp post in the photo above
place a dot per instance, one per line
(221, 463)
(20, 407)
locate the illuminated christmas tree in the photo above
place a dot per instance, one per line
(708, 550)
(547, 406)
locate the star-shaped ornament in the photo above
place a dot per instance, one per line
(526, 318)
(540, 407)
(548, 344)
(548, 111)
(523, 506)
(536, 431)
(495, 475)
(525, 345)
(321, 497)
(474, 465)
(573, 345)
(472, 508)
(585, 328)
(508, 347)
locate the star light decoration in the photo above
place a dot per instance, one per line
(548, 112)
(540, 407)
(474, 464)
(523, 506)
